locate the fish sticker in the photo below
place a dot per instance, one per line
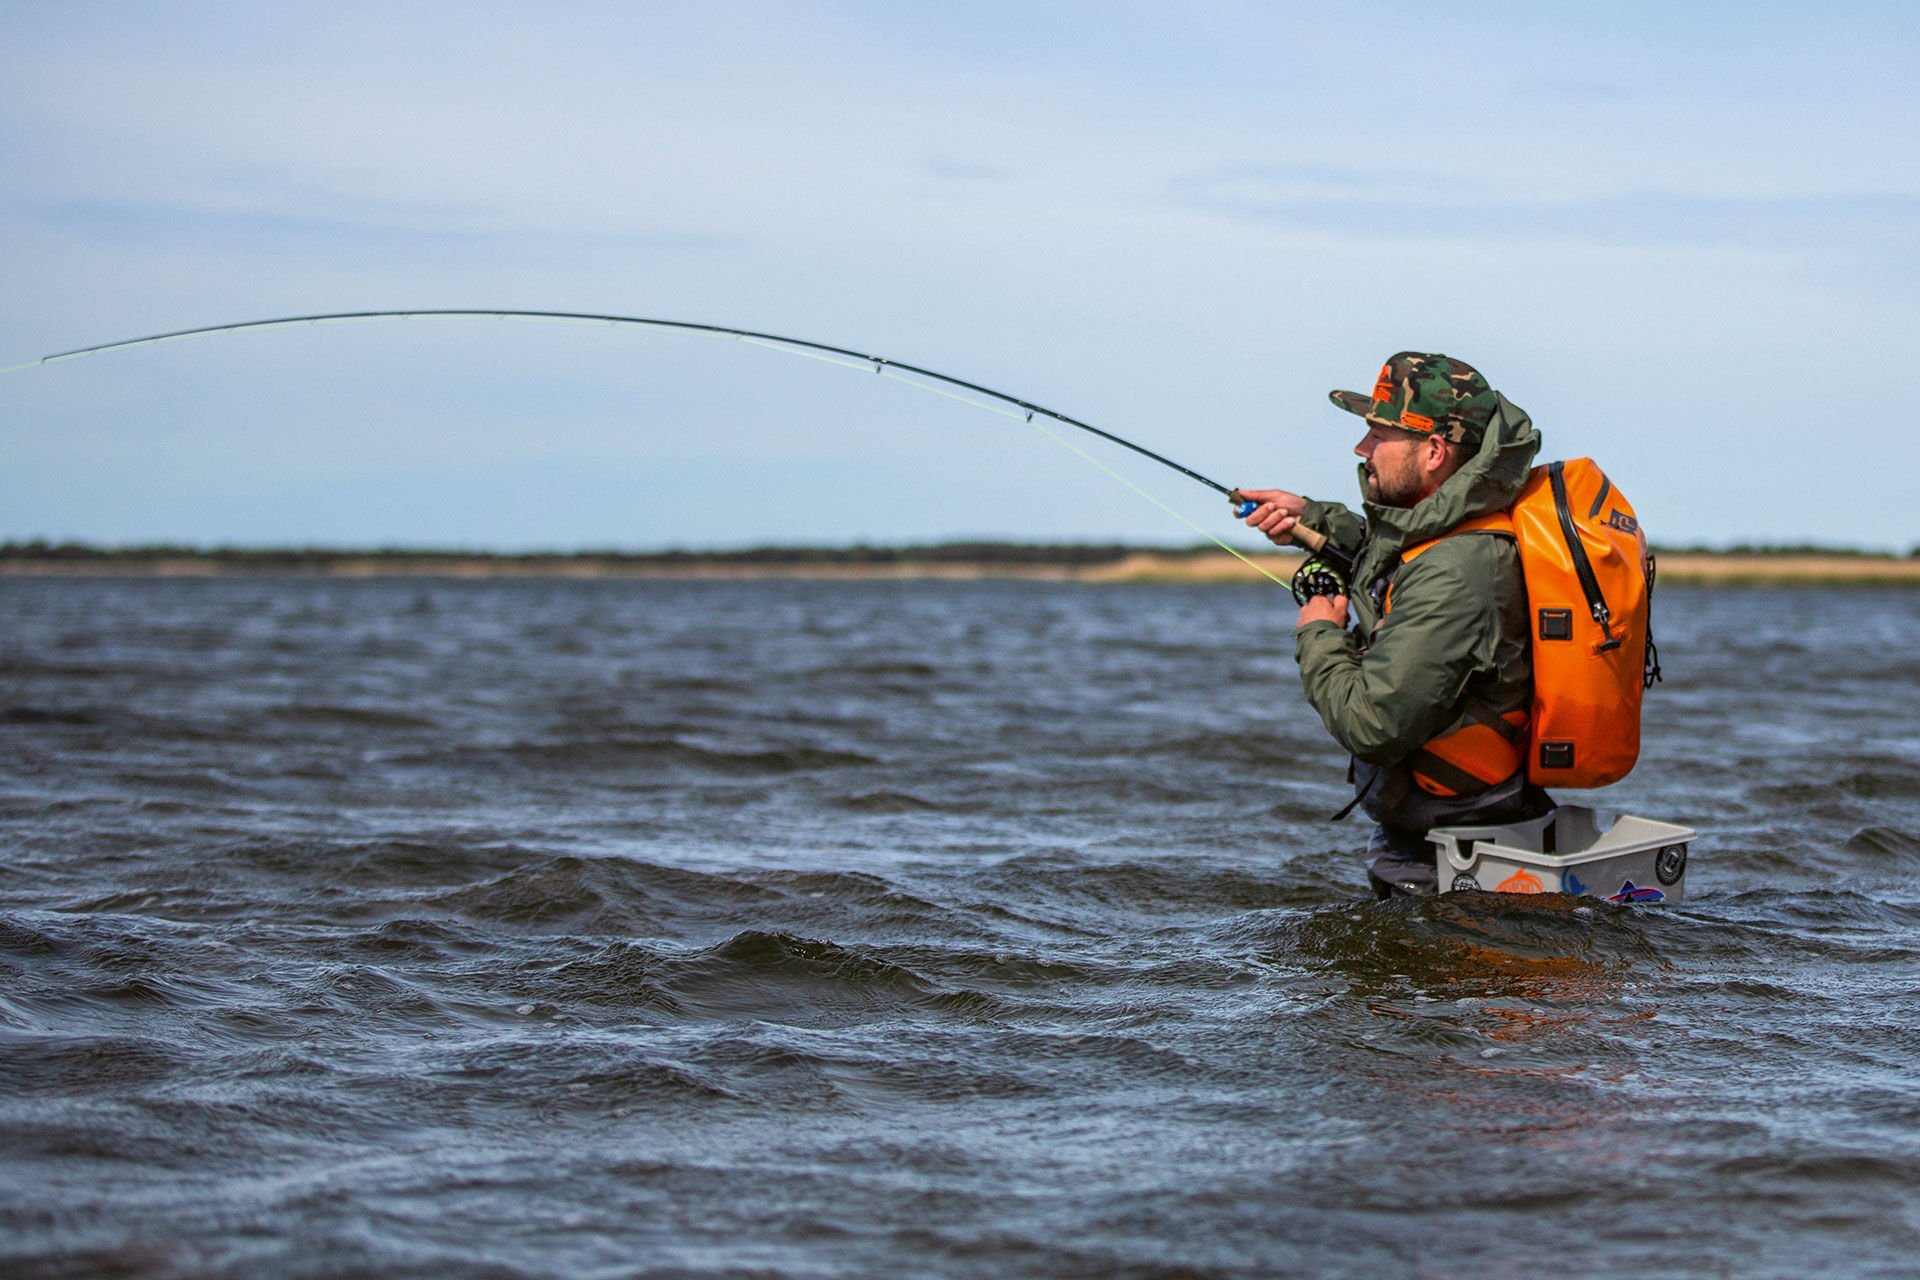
(1630, 892)
(1521, 881)
(1573, 883)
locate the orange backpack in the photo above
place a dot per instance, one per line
(1589, 579)
(1589, 597)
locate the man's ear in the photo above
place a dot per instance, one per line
(1434, 452)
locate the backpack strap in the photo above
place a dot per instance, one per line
(1497, 522)
(1493, 522)
(1484, 746)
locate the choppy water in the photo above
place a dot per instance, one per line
(503, 929)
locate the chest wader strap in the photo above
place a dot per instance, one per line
(1391, 783)
(1358, 796)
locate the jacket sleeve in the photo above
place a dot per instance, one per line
(1383, 701)
(1345, 530)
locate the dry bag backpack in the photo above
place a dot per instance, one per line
(1589, 597)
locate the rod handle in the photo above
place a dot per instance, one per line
(1311, 539)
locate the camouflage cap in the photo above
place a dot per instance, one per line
(1430, 394)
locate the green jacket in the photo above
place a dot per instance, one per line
(1458, 629)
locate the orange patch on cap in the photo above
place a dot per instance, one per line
(1383, 385)
(1417, 421)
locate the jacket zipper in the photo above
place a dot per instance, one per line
(1596, 603)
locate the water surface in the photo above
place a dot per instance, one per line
(811, 929)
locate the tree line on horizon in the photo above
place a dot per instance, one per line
(964, 552)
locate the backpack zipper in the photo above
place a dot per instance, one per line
(1600, 499)
(1596, 603)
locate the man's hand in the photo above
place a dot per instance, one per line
(1276, 515)
(1323, 609)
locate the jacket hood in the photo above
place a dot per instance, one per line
(1488, 481)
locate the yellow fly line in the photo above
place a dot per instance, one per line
(1052, 435)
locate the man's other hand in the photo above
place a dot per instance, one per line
(1323, 609)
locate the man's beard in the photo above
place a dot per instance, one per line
(1390, 491)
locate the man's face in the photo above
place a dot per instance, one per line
(1395, 476)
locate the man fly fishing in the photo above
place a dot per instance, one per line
(1479, 668)
(1429, 691)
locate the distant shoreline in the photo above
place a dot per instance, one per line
(948, 562)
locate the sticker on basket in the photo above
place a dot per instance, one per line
(1464, 882)
(1573, 883)
(1629, 892)
(1671, 864)
(1521, 881)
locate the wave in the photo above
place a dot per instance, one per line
(65, 717)
(757, 975)
(617, 753)
(350, 717)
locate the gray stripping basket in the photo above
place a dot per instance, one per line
(1634, 860)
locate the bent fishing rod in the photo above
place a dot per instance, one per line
(844, 356)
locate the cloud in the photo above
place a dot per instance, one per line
(1401, 205)
(1155, 224)
(1586, 91)
(325, 228)
(963, 171)
(1269, 187)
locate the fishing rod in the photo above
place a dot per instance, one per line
(878, 362)
(845, 356)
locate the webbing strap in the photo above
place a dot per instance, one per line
(1359, 795)
(1479, 712)
(1499, 523)
(1424, 764)
(1493, 522)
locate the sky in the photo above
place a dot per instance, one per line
(1682, 237)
